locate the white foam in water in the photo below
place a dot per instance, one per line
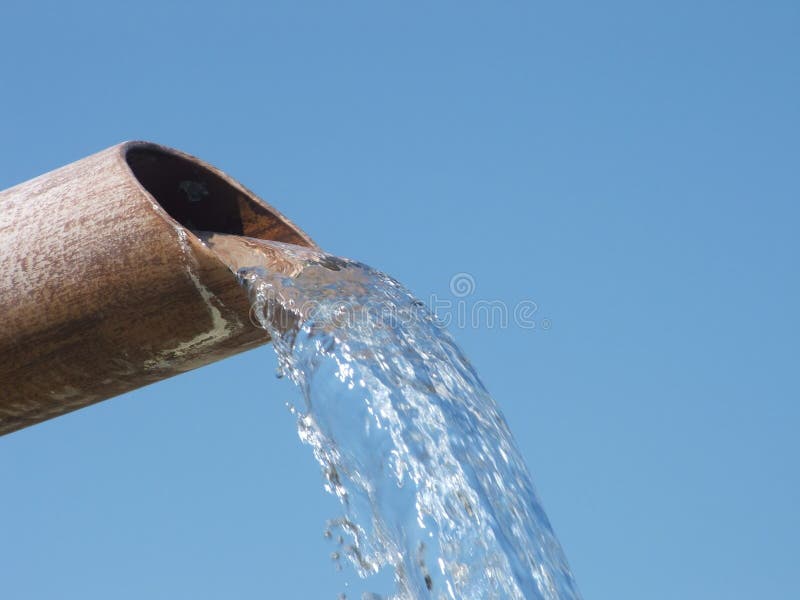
(432, 485)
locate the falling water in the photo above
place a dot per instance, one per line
(432, 485)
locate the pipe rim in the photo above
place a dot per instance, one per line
(193, 195)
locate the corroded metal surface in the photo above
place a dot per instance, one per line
(103, 287)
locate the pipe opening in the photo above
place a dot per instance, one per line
(200, 199)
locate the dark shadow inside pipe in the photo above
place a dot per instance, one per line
(200, 199)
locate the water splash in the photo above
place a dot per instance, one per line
(409, 440)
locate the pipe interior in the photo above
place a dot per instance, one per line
(199, 199)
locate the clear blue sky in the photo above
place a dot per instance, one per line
(632, 167)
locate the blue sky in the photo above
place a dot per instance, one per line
(629, 166)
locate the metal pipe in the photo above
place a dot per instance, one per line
(103, 286)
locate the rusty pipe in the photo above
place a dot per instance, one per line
(104, 287)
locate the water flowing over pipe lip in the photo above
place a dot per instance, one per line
(103, 286)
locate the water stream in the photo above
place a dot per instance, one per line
(432, 486)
